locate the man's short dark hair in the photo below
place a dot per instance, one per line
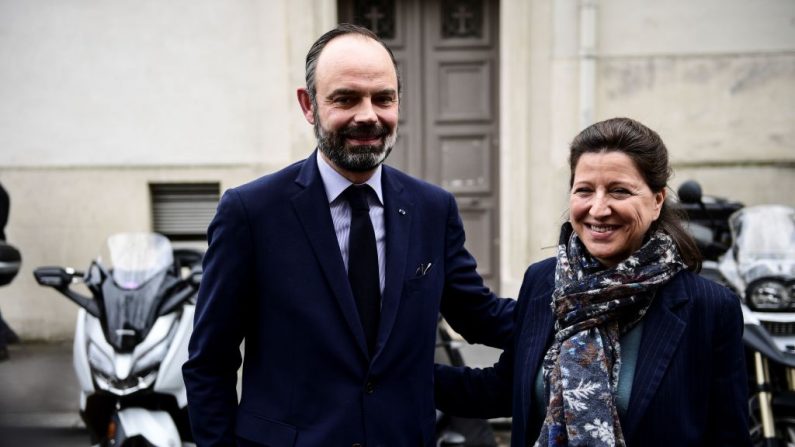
(340, 30)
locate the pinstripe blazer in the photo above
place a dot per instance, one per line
(690, 385)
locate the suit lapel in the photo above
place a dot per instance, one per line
(311, 206)
(663, 326)
(398, 212)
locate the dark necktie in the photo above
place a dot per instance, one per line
(363, 263)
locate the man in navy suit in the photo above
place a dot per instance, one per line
(336, 293)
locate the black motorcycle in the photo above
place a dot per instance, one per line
(751, 250)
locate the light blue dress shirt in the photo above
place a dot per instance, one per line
(335, 184)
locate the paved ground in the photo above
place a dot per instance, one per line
(39, 398)
(39, 395)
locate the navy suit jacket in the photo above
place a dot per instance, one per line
(274, 276)
(690, 385)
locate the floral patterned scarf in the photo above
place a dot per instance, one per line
(593, 306)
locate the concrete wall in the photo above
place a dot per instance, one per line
(100, 98)
(61, 216)
(148, 83)
(715, 78)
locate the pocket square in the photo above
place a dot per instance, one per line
(423, 268)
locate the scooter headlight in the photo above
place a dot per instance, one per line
(769, 294)
(130, 385)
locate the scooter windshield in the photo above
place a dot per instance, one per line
(137, 257)
(764, 241)
(140, 262)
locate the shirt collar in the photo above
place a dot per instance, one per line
(335, 183)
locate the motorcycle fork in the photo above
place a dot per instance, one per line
(791, 379)
(765, 397)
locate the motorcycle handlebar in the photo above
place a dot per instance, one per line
(60, 279)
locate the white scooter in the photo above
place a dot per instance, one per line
(132, 339)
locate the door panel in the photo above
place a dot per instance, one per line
(478, 221)
(462, 164)
(462, 89)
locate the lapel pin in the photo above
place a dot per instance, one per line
(401, 211)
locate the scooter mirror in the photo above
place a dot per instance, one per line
(690, 192)
(10, 261)
(56, 277)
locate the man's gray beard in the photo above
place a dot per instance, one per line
(353, 158)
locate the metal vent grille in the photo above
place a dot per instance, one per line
(777, 328)
(182, 211)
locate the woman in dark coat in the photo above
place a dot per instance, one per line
(617, 340)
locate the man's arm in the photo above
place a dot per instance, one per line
(214, 351)
(487, 392)
(467, 304)
(474, 392)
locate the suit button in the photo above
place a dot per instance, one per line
(369, 388)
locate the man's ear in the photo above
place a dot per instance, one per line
(306, 104)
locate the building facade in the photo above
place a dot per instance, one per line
(105, 103)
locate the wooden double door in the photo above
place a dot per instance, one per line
(447, 54)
